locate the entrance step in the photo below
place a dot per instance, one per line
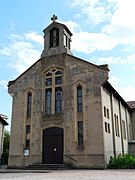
(49, 167)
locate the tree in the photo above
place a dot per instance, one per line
(6, 146)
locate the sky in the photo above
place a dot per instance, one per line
(103, 33)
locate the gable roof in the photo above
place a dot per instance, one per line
(3, 121)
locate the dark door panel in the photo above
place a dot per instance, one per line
(53, 146)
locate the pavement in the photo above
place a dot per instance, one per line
(20, 174)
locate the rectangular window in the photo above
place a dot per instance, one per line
(106, 127)
(123, 129)
(130, 135)
(48, 82)
(48, 99)
(27, 144)
(29, 104)
(79, 99)
(80, 133)
(104, 111)
(58, 80)
(27, 129)
(108, 113)
(65, 39)
(58, 100)
(109, 131)
(54, 37)
(68, 43)
(116, 125)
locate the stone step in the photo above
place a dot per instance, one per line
(49, 166)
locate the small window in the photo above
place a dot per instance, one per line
(104, 111)
(80, 133)
(29, 104)
(48, 74)
(54, 37)
(79, 99)
(58, 80)
(58, 73)
(109, 131)
(48, 95)
(123, 129)
(58, 100)
(108, 113)
(48, 81)
(27, 144)
(118, 133)
(116, 125)
(27, 129)
(106, 127)
(69, 43)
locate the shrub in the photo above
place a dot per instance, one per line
(5, 147)
(126, 161)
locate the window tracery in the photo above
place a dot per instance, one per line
(53, 91)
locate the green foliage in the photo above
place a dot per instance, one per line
(126, 161)
(6, 146)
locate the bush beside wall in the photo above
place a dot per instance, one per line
(126, 161)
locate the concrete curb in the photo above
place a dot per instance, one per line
(23, 171)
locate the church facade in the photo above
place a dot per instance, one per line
(65, 110)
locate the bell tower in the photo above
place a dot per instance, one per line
(57, 39)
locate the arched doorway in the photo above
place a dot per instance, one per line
(52, 146)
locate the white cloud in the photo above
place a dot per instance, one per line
(97, 11)
(115, 60)
(34, 37)
(73, 26)
(3, 84)
(114, 80)
(118, 27)
(128, 93)
(88, 42)
(122, 26)
(22, 51)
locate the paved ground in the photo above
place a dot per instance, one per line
(69, 175)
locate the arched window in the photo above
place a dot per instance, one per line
(29, 104)
(79, 98)
(53, 91)
(54, 37)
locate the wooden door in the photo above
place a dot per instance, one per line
(52, 146)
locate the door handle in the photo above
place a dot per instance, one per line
(54, 149)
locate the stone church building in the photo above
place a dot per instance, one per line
(65, 111)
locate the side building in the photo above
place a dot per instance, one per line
(65, 110)
(3, 123)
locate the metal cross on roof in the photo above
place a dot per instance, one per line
(54, 18)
